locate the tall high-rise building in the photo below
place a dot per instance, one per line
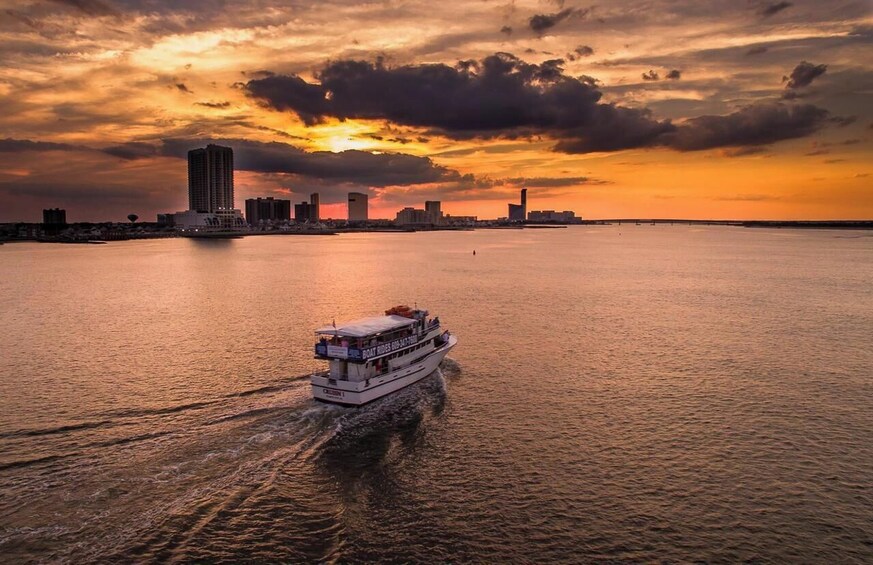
(523, 203)
(303, 212)
(357, 207)
(267, 209)
(210, 179)
(54, 220)
(54, 217)
(518, 212)
(314, 212)
(432, 207)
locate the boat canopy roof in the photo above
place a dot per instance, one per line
(367, 326)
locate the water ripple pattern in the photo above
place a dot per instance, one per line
(619, 393)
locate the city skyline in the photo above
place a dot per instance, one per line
(668, 109)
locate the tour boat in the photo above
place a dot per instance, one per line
(373, 357)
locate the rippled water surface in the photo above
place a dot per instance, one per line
(625, 393)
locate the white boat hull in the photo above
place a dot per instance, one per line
(358, 393)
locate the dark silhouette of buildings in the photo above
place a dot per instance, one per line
(166, 220)
(54, 217)
(518, 212)
(267, 209)
(314, 211)
(210, 179)
(303, 212)
(432, 207)
(412, 217)
(358, 207)
(53, 221)
(565, 217)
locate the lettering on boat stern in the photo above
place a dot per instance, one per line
(332, 392)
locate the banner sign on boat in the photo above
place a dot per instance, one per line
(337, 351)
(383, 348)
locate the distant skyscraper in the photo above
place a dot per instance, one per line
(267, 209)
(314, 212)
(357, 207)
(54, 217)
(523, 203)
(432, 207)
(414, 216)
(303, 212)
(518, 212)
(210, 179)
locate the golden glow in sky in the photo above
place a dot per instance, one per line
(674, 109)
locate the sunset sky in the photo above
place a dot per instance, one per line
(691, 108)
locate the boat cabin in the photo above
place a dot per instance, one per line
(364, 348)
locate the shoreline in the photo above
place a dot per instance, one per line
(91, 238)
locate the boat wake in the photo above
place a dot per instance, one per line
(153, 483)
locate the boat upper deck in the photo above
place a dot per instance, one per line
(376, 336)
(368, 327)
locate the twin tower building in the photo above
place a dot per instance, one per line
(211, 198)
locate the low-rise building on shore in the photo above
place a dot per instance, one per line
(551, 216)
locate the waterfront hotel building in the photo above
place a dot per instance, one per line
(210, 179)
(210, 191)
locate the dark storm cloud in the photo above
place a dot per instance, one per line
(360, 167)
(131, 150)
(258, 74)
(772, 9)
(224, 104)
(803, 74)
(613, 128)
(182, 88)
(579, 52)
(744, 151)
(843, 121)
(10, 145)
(549, 182)
(89, 7)
(757, 50)
(506, 29)
(128, 151)
(502, 96)
(755, 125)
(675, 74)
(383, 169)
(499, 96)
(73, 192)
(283, 92)
(541, 22)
